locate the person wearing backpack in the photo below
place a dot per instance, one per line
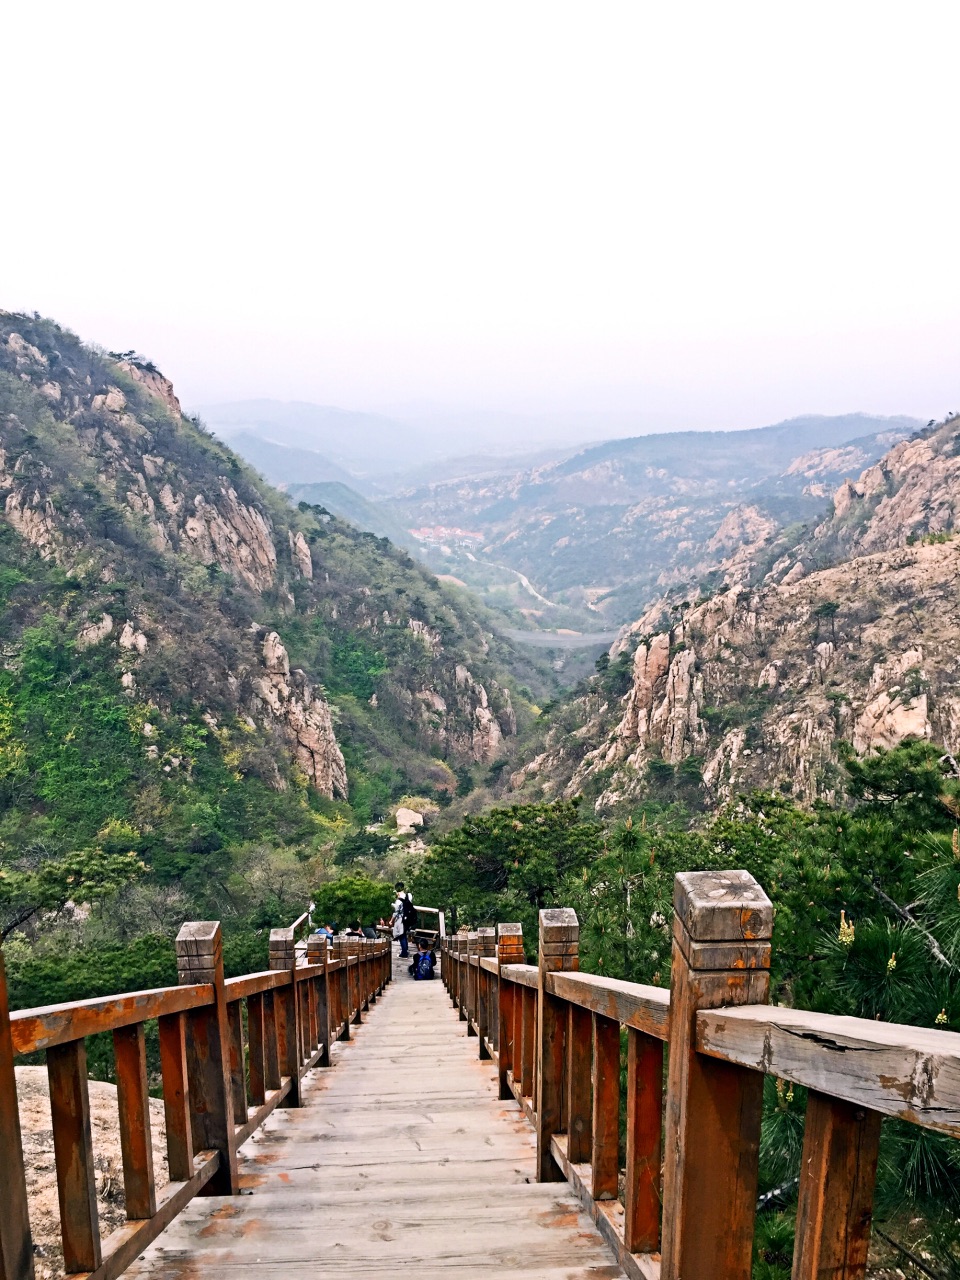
(423, 962)
(404, 918)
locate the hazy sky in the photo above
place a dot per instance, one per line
(724, 213)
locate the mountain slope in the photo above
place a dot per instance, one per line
(178, 642)
(616, 525)
(763, 685)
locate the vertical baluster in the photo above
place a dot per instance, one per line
(721, 957)
(176, 1096)
(136, 1140)
(16, 1245)
(528, 1040)
(353, 978)
(837, 1175)
(200, 960)
(579, 1108)
(73, 1152)
(271, 1042)
(605, 1156)
(558, 950)
(238, 1081)
(509, 951)
(256, 1049)
(641, 1229)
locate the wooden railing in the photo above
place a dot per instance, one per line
(231, 1050)
(688, 1201)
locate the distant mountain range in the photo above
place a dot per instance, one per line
(585, 537)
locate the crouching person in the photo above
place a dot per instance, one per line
(424, 962)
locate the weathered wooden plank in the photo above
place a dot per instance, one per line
(133, 1100)
(125, 1244)
(16, 1246)
(910, 1072)
(525, 975)
(252, 984)
(73, 1152)
(837, 1175)
(630, 1003)
(34, 1029)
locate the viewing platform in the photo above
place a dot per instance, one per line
(330, 1116)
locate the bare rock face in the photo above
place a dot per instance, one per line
(912, 492)
(303, 717)
(300, 553)
(233, 536)
(759, 685)
(154, 382)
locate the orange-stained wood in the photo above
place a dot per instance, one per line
(238, 1082)
(16, 1246)
(605, 1152)
(34, 1029)
(528, 1036)
(136, 1143)
(641, 1227)
(73, 1151)
(258, 1087)
(579, 1105)
(837, 1175)
(176, 1096)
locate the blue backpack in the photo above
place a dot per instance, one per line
(423, 968)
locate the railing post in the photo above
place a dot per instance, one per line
(16, 1245)
(509, 951)
(317, 954)
(200, 959)
(486, 946)
(283, 957)
(559, 949)
(721, 956)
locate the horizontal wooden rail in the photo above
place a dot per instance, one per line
(54, 1024)
(629, 1003)
(222, 1074)
(897, 1070)
(524, 975)
(251, 984)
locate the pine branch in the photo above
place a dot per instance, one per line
(903, 914)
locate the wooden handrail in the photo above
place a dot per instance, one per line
(556, 1034)
(222, 1075)
(897, 1070)
(34, 1029)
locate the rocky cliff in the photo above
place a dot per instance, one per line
(760, 685)
(211, 590)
